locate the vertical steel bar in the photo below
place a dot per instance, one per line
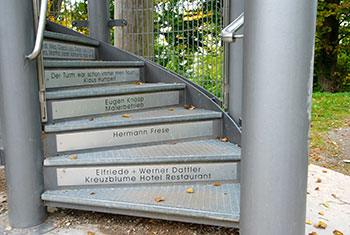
(235, 70)
(20, 115)
(277, 89)
(98, 16)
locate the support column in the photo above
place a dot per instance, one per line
(235, 68)
(98, 17)
(20, 115)
(277, 89)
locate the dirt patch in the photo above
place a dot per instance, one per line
(337, 151)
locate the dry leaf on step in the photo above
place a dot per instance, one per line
(90, 233)
(126, 115)
(73, 157)
(92, 193)
(170, 109)
(313, 233)
(190, 190)
(138, 83)
(159, 199)
(91, 119)
(224, 140)
(217, 184)
(186, 106)
(319, 180)
(192, 107)
(308, 222)
(321, 225)
(337, 232)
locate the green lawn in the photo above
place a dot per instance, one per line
(329, 112)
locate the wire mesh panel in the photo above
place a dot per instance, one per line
(181, 35)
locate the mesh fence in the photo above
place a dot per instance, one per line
(181, 35)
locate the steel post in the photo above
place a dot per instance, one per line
(277, 89)
(98, 17)
(20, 115)
(235, 68)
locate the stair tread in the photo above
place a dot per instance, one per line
(207, 201)
(90, 64)
(159, 115)
(70, 38)
(112, 90)
(190, 151)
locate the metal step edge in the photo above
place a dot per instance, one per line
(84, 198)
(90, 64)
(137, 118)
(112, 90)
(191, 151)
(70, 38)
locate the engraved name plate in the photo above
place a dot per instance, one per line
(146, 174)
(132, 135)
(90, 106)
(77, 77)
(56, 50)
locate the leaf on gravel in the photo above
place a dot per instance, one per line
(73, 157)
(313, 233)
(224, 140)
(326, 204)
(170, 109)
(92, 193)
(217, 184)
(159, 199)
(324, 171)
(190, 190)
(317, 188)
(308, 222)
(321, 213)
(337, 232)
(186, 106)
(321, 225)
(126, 115)
(91, 119)
(319, 180)
(90, 233)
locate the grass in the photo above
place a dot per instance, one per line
(329, 113)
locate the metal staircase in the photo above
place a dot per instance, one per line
(123, 131)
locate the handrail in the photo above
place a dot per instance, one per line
(40, 30)
(228, 34)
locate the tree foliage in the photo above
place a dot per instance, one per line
(332, 51)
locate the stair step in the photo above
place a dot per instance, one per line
(209, 204)
(70, 38)
(91, 64)
(112, 90)
(212, 150)
(161, 115)
(53, 49)
(57, 78)
(130, 136)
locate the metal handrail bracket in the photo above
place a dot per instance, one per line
(228, 34)
(40, 31)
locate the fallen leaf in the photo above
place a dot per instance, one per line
(159, 199)
(217, 184)
(333, 195)
(126, 115)
(326, 204)
(317, 188)
(321, 225)
(73, 157)
(324, 171)
(186, 106)
(170, 109)
(192, 107)
(91, 119)
(138, 83)
(307, 192)
(224, 140)
(308, 222)
(92, 193)
(337, 232)
(105, 116)
(190, 190)
(319, 180)
(321, 213)
(90, 233)
(313, 233)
